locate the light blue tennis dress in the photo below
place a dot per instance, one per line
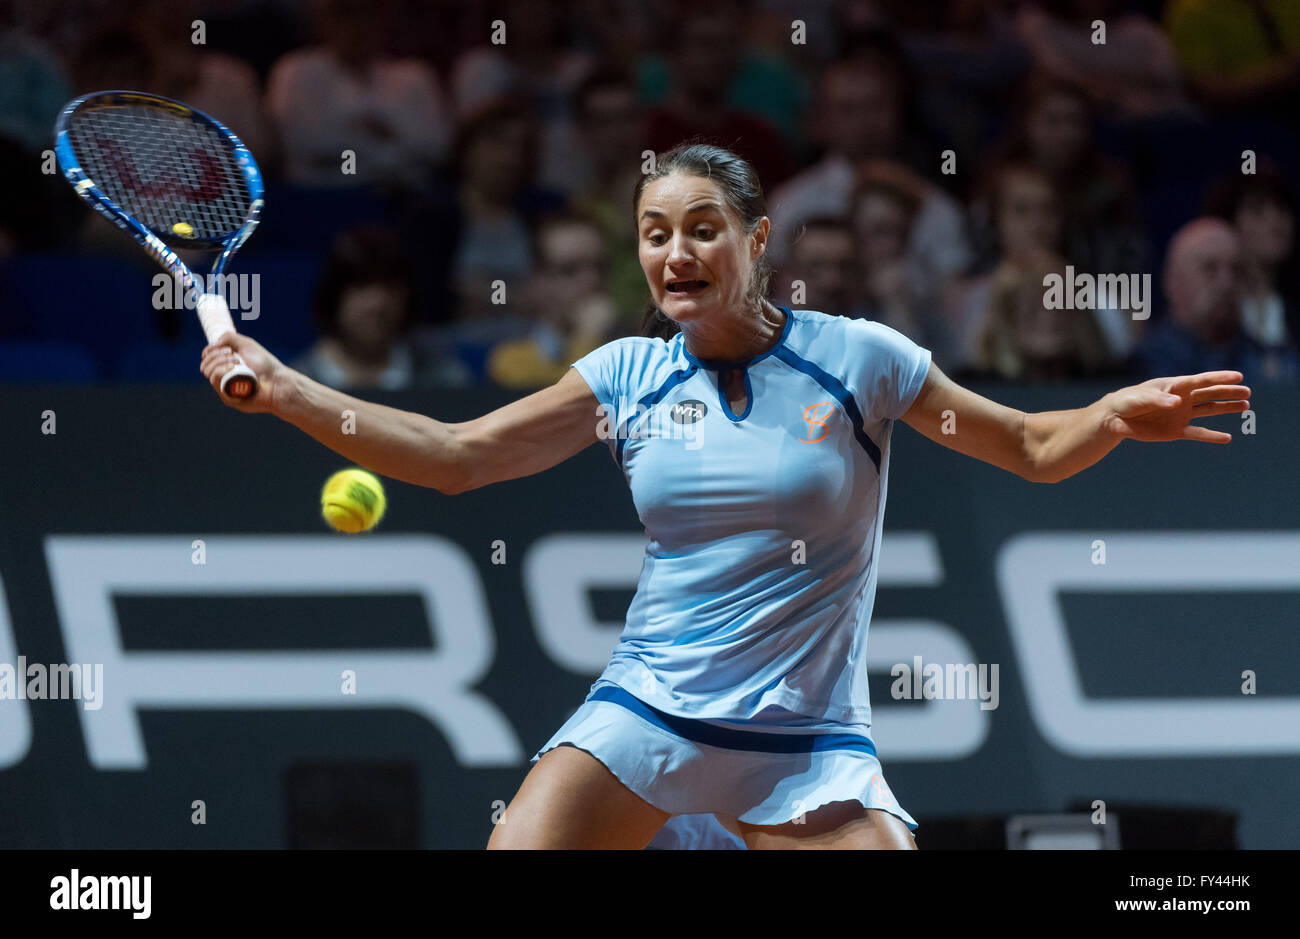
(739, 683)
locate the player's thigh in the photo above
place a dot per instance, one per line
(570, 799)
(842, 825)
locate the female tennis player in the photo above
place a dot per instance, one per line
(756, 444)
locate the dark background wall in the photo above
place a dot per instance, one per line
(169, 465)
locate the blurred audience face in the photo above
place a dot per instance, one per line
(1041, 334)
(355, 30)
(707, 45)
(370, 318)
(881, 225)
(499, 161)
(572, 262)
(1057, 130)
(1028, 214)
(824, 259)
(858, 110)
(1267, 231)
(1203, 279)
(611, 126)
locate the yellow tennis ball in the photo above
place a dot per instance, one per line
(353, 500)
(184, 229)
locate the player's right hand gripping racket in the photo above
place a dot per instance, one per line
(163, 171)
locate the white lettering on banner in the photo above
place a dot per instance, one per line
(558, 572)
(935, 730)
(1033, 568)
(560, 569)
(86, 571)
(15, 722)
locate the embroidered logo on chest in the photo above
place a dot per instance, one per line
(817, 415)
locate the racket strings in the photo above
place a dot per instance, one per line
(163, 168)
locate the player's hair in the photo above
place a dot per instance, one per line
(742, 193)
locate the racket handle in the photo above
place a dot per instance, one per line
(214, 315)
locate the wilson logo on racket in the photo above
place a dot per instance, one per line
(168, 184)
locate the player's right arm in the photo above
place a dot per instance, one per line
(519, 439)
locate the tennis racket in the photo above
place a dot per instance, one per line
(166, 173)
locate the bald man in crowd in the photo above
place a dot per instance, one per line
(1202, 331)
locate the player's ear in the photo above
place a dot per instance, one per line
(758, 238)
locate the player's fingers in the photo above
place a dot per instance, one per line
(216, 363)
(1211, 408)
(1205, 435)
(1220, 393)
(1185, 383)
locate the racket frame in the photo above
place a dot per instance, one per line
(213, 312)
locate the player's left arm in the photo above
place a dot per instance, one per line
(1049, 446)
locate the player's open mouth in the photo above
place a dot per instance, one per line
(687, 286)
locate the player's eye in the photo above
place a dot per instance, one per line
(656, 238)
(704, 234)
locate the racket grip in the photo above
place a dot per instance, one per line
(214, 315)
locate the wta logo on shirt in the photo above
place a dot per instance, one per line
(629, 420)
(688, 412)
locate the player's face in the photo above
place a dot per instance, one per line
(696, 256)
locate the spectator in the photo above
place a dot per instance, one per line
(345, 94)
(822, 267)
(896, 288)
(536, 65)
(969, 59)
(152, 51)
(611, 128)
(1025, 339)
(1262, 207)
(706, 47)
(769, 80)
(568, 300)
(33, 88)
(1027, 221)
(472, 229)
(1135, 71)
(1239, 54)
(1052, 130)
(363, 311)
(857, 117)
(1203, 284)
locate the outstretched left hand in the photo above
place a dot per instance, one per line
(1163, 408)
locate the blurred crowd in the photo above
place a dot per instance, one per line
(927, 164)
